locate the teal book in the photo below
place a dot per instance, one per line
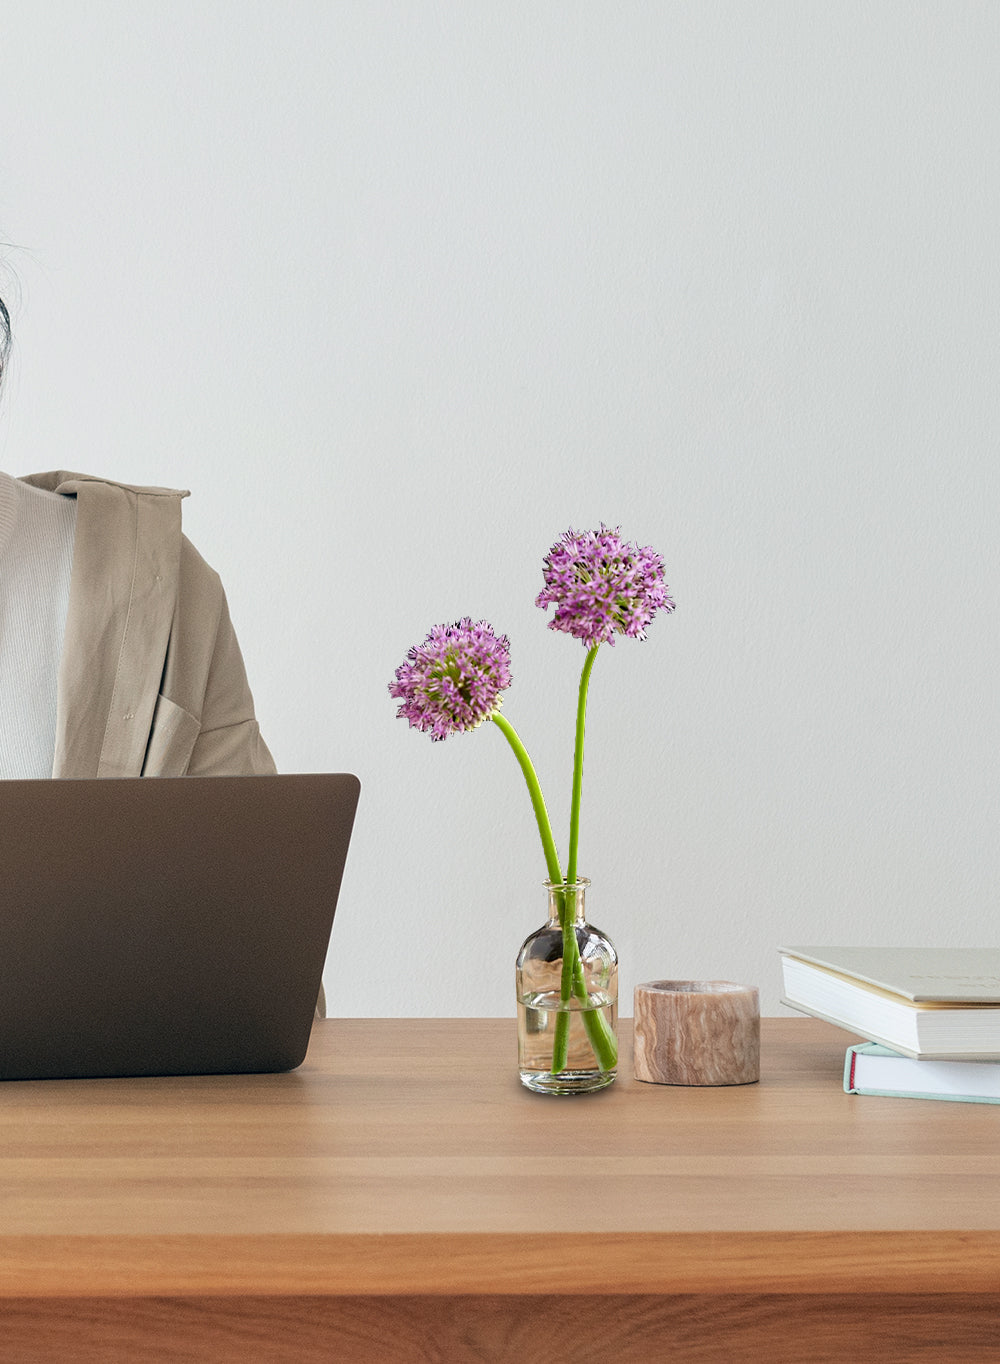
(870, 1068)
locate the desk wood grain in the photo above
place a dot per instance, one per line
(378, 1179)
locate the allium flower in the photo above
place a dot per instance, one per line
(453, 681)
(602, 586)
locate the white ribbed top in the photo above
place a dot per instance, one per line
(37, 530)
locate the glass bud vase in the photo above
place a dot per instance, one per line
(567, 999)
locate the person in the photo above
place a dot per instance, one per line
(118, 657)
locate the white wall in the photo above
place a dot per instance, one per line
(403, 290)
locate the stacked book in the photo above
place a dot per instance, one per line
(932, 1016)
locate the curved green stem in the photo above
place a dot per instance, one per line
(572, 982)
(570, 952)
(574, 809)
(535, 791)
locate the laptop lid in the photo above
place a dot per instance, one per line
(166, 925)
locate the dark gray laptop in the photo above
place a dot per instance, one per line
(166, 925)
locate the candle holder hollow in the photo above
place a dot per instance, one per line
(697, 1032)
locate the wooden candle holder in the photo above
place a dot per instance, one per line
(697, 1032)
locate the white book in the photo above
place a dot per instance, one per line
(870, 1068)
(924, 1002)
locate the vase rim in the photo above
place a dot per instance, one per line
(581, 883)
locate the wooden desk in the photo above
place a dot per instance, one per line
(401, 1197)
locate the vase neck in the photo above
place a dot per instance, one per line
(567, 898)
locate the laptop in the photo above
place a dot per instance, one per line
(166, 925)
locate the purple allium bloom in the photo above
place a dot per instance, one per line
(452, 682)
(602, 586)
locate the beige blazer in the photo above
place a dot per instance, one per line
(151, 680)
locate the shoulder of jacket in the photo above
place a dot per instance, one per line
(68, 484)
(195, 566)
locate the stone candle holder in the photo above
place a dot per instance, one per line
(697, 1032)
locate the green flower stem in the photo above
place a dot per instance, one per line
(571, 951)
(599, 1032)
(571, 967)
(572, 973)
(574, 809)
(535, 791)
(601, 1037)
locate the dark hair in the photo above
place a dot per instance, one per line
(4, 337)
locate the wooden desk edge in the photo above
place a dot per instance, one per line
(369, 1265)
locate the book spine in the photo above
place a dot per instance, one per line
(849, 1071)
(850, 1086)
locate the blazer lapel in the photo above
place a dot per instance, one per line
(121, 604)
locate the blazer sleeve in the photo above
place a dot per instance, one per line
(229, 741)
(204, 723)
